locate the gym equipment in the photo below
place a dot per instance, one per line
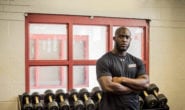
(26, 101)
(37, 105)
(96, 95)
(77, 104)
(49, 100)
(84, 95)
(149, 100)
(153, 89)
(141, 102)
(61, 99)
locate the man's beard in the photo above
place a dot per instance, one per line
(122, 49)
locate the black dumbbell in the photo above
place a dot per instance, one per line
(162, 100)
(77, 103)
(141, 102)
(49, 100)
(36, 101)
(149, 100)
(96, 94)
(61, 99)
(85, 96)
(26, 101)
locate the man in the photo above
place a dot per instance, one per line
(121, 75)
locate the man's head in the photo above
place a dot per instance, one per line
(122, 39)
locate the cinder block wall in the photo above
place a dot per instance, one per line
(166, 40)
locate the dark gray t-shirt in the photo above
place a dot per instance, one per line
(115, 66)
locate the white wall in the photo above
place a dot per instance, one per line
(166, 40)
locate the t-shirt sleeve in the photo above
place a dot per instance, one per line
(102, 68)
(140, 68)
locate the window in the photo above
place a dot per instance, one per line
(61, 50)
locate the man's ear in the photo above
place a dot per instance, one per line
(130, 39)
(114, 37)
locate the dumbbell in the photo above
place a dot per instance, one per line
(36, 101)
(153, 89)
(61, 99)
(26, 101)
(49, 100)
(141, 102)
(85, 96)
(96, 94)
(149, 100)
(77, 103)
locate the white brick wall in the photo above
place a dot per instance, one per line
(166, 40)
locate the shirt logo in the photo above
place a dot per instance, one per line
(132, 65)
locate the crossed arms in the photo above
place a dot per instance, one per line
(123, 85)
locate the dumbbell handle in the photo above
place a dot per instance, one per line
(155, 93)
(61, 98)
(85, 97)
(75, 98)
(99, 96)
(36, 100)
(145, 93)
(50, 99)
(27, 100)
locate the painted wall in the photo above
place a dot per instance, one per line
(166, 40)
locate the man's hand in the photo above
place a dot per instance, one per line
(138, 83)
(107, 84)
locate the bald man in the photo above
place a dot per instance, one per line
(121, 75)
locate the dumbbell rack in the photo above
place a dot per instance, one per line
(163, 108)
(20, 106)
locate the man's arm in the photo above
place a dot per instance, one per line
(108, 85)
(139, 83)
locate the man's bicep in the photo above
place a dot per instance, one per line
(145, 79)
(102, 69)
(141, 69)
(105, 82)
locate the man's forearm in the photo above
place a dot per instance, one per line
(139, 83)
(121, 89)
(108, 86)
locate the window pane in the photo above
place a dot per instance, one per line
(48, 42)
(136, 46)
(84, 77)
(89, 42)
(43, 77)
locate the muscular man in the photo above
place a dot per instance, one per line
(121, 75)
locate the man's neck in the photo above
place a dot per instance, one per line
(119, 53)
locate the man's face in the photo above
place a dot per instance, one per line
(122, 40)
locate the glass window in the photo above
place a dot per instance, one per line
(43, 77)
(89, 41)
(84, 77)
(62, 50)
(48, 41)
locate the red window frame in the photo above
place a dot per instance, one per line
(71, 20)
(62, 38)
